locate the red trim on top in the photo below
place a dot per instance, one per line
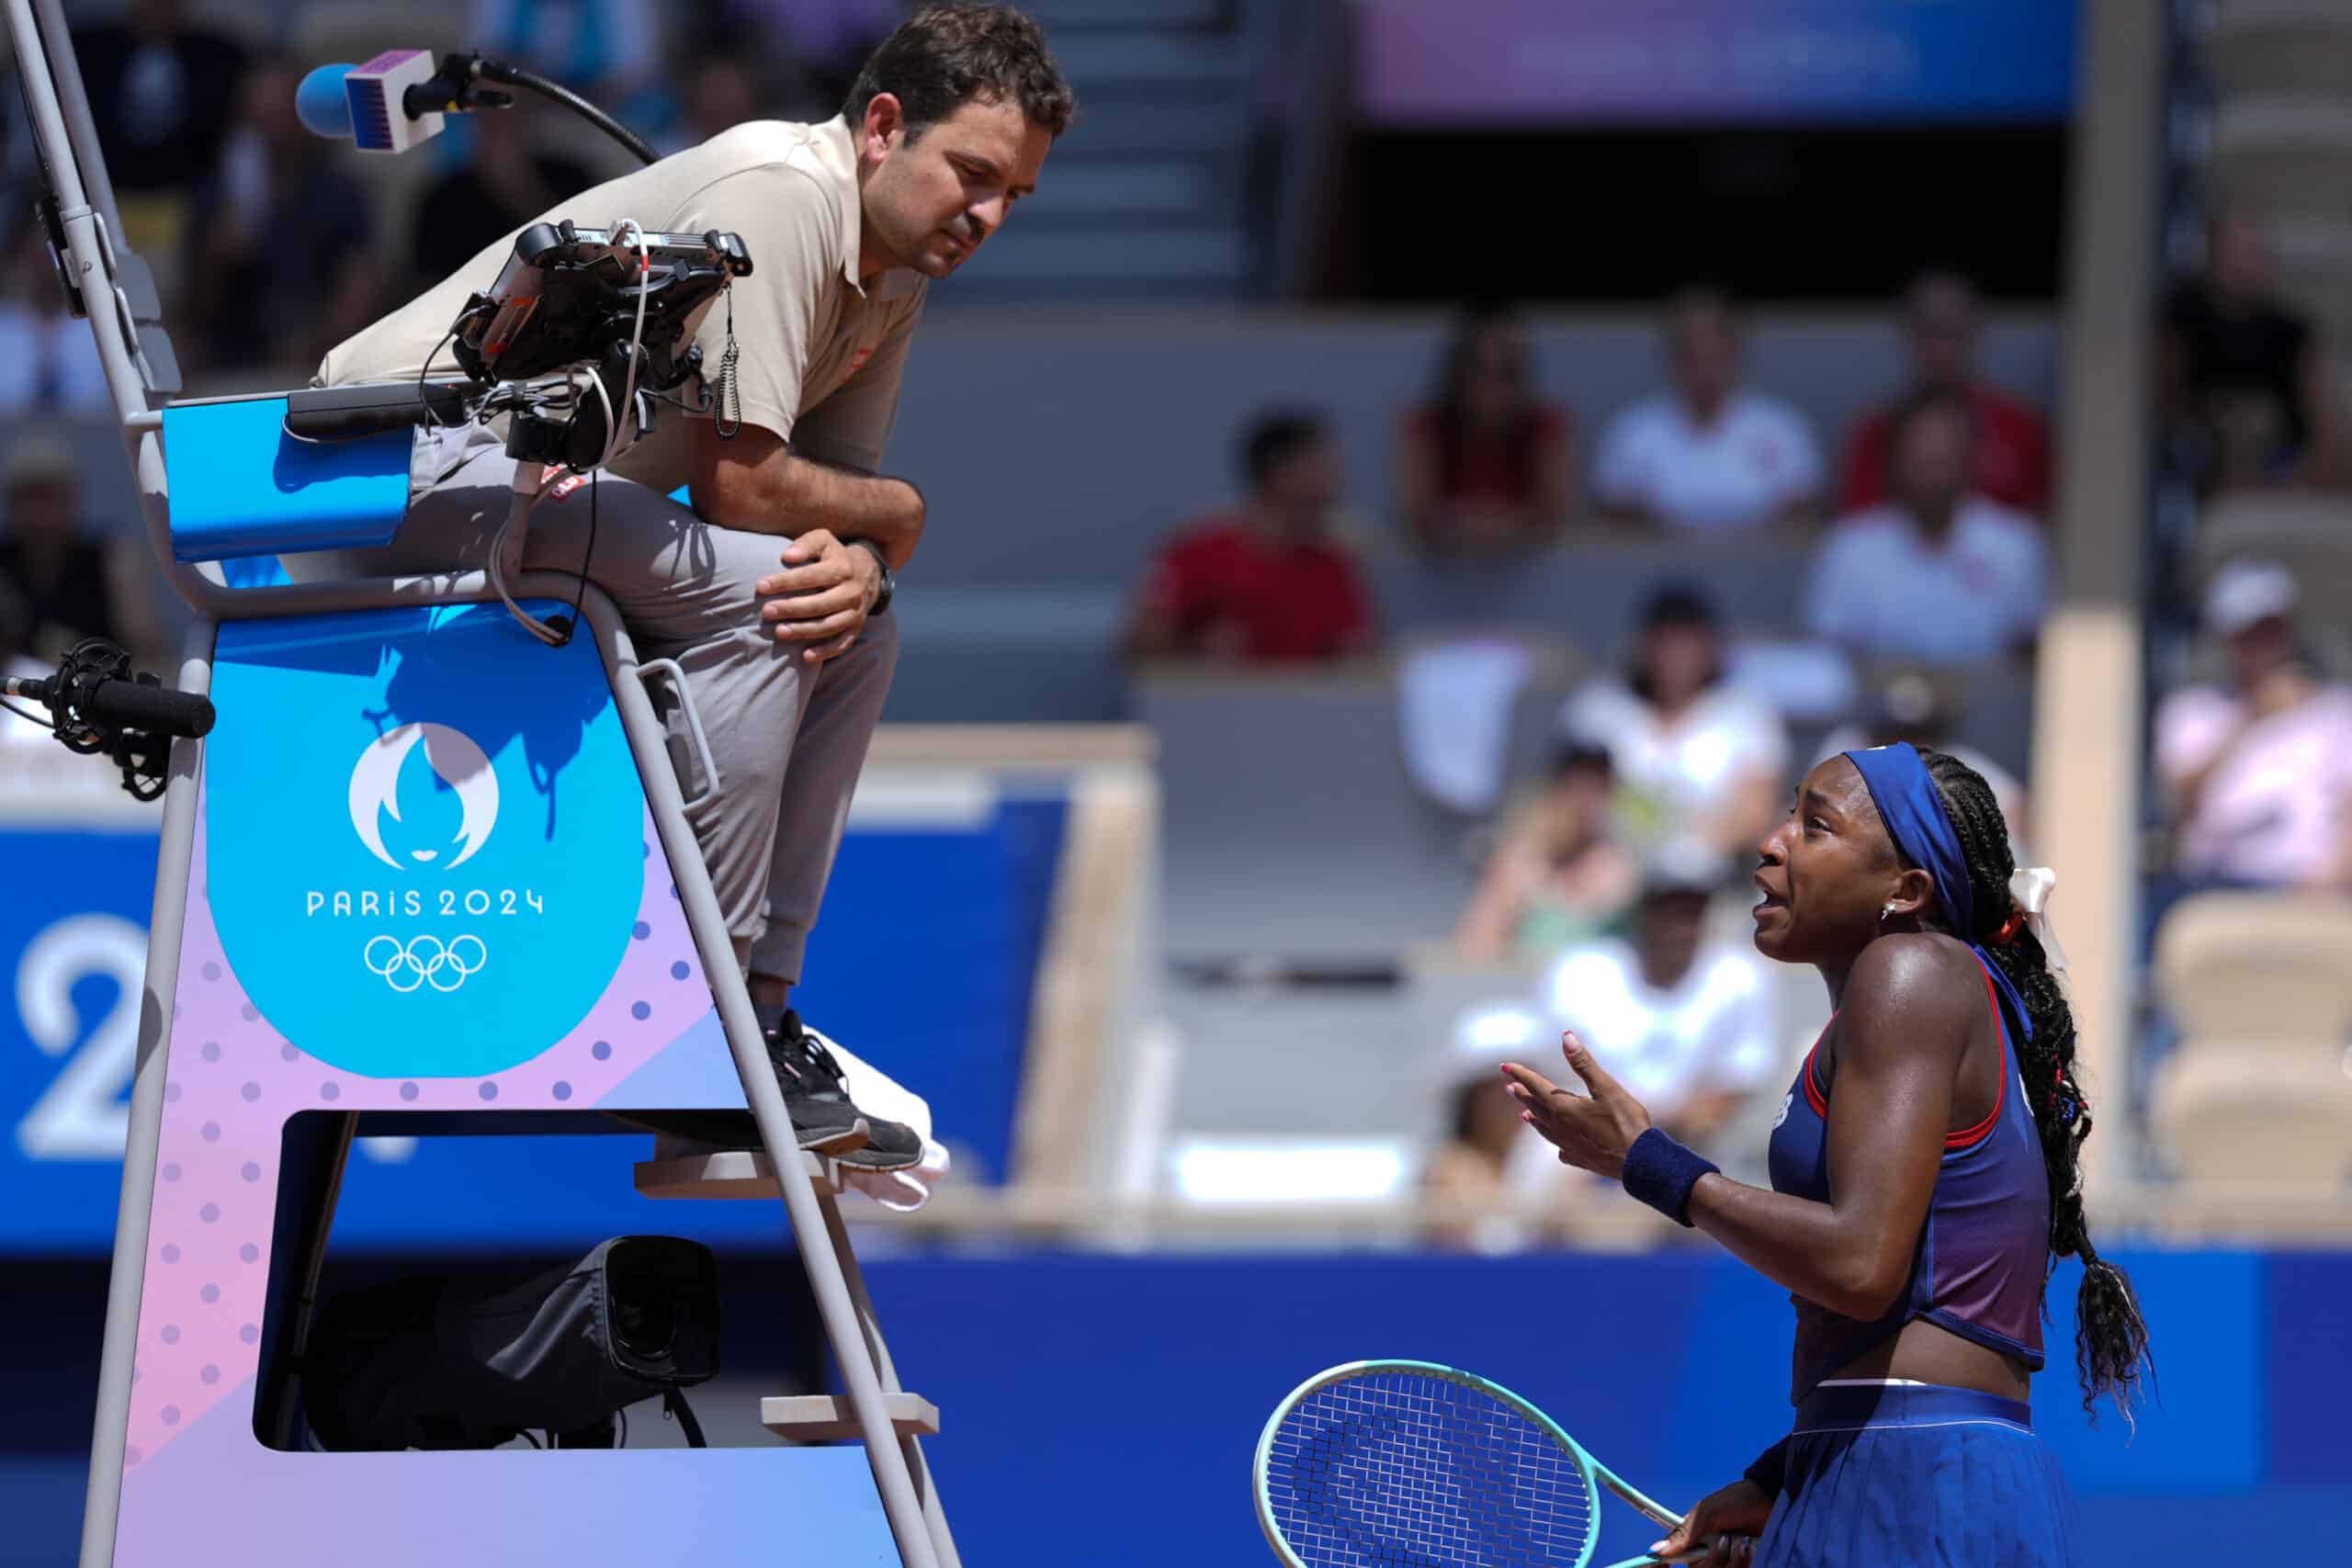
(1977, 1134)
(1813, 1095)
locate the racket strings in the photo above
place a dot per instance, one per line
(1402, 1469)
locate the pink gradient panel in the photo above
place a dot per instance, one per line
(231, 1083)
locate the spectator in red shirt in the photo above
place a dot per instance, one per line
(1265, 582)
(1485, 466)
(2011, 461)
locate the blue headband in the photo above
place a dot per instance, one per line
(1913, 810)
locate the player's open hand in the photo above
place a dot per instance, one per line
(1593, 1130)
(822, 596)
(1724, 1525)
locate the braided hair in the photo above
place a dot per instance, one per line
(2110, 1336)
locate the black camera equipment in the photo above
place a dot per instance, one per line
(621, 303)
(569, 299)
(96, 704)
(568, 294)
(429, 1364)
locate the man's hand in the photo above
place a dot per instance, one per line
(1591, 1133)
(822, 596)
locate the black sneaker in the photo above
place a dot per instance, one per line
(823, 1120)
(822, 1117)
(805, 1067)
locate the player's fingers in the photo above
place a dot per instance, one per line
(1581, 1062)
(1530, 1081)
(1540, 1111)
(1549, 1131)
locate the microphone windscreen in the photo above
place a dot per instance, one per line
(320, 104)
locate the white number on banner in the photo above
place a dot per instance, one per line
(83, 1115)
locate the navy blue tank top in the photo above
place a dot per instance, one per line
(1983, 1253)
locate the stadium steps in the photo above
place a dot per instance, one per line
(2272, 46)
(1144, 198)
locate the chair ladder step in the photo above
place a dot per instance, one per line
(811, 1417)
(726, 1173)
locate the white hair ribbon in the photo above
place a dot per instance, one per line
(2031, 889)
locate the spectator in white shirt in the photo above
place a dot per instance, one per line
(1938, 573)
(1691, 1022)
(1694, 756)
(1707, 457)
(2258, 768)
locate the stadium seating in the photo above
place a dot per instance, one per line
(2256, 1114)
(2259, 1088)
(2281, 46)
(2269, 966)
(1148, 202)
(2292, 154)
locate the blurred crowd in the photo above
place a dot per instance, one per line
(1615, 880)
(1935, 501)
(269, 247)
(1924, 526)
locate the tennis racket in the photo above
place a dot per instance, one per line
(1405, 1464)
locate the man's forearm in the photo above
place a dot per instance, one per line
(791, 495)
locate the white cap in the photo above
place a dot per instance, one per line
(2245, 591)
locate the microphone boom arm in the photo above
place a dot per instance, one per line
(453, 89)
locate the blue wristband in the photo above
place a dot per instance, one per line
(1661, 1172)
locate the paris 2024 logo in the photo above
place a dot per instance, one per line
(441, 895)
(444, 960)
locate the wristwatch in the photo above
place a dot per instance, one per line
(889, 583)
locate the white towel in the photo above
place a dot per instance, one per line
(1455, 706)
(876, 1093)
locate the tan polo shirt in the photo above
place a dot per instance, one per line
(820, 356)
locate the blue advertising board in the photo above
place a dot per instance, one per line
(923, 963)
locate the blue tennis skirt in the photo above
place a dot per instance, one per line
(1918, 1477)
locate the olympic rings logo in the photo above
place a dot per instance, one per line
(425, 961)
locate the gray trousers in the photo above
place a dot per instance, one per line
(788, 739)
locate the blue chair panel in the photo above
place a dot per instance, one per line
(240, 486)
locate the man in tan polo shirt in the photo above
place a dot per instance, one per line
(787, 657)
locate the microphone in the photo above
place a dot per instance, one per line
(120, 705)
(320, 102)
(392, 101)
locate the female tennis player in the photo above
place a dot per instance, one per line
(1924, 1173)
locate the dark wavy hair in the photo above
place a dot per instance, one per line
(1677, 604)
(944, 56)
(1449, 398)
(1275, 437)
(2110, 1336)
